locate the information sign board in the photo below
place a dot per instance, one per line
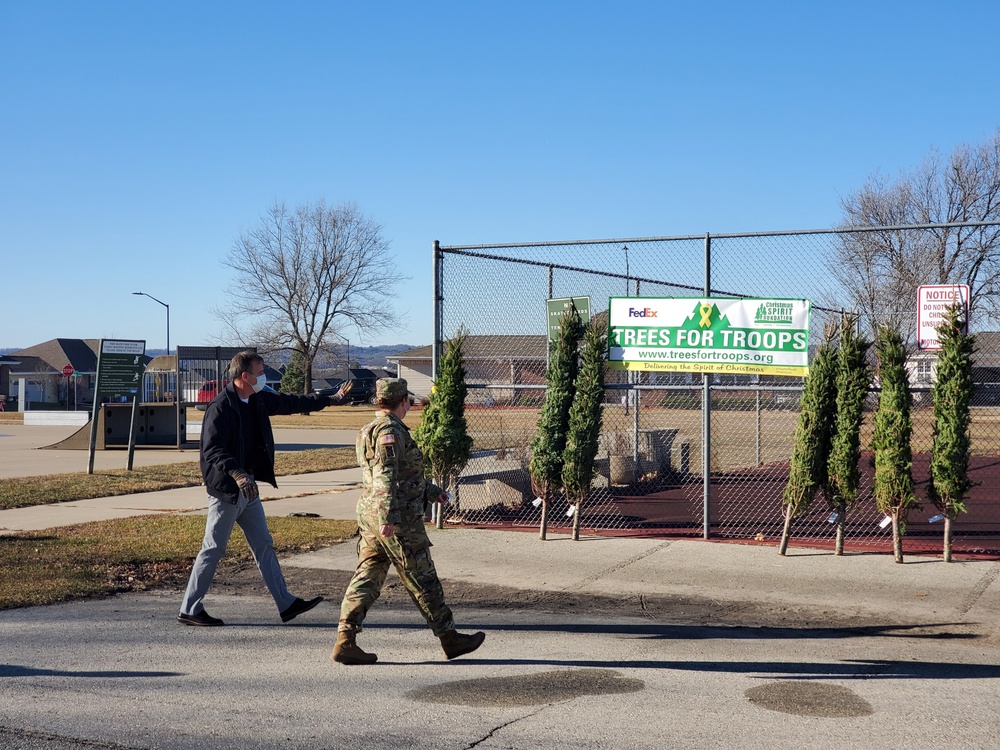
(559, 307)
(697, 334)
(932, 302)
(120, 365)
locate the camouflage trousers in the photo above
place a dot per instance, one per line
(409, 551)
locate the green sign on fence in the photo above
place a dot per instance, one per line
(557, 308)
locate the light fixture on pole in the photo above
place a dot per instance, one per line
(168, 314)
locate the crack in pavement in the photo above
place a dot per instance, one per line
(506, 724)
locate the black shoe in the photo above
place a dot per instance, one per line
(202, 618)
(298, 607)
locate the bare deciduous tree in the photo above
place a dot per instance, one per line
(880, 270)
(303, 274)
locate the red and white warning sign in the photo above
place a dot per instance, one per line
(932, 301)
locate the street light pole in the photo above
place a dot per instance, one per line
(348, 352)
(168, 315)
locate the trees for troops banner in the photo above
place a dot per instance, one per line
(697, 334)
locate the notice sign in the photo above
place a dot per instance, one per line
(696, 334)
(558, 308)
(119, 368)
(932, 302)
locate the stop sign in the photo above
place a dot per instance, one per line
(68, 370)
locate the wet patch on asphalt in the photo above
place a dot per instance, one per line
(804, 698)
(528, 690)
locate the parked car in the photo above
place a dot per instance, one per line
(208, 391)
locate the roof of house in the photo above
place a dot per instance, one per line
(987, 345)
(987, 350)
(356, 373)
(486, 347)
(534, 347)
(53, 355)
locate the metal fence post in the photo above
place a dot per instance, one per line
(706, 415)
(633, 378)
(757, 434)
(436, 511)
(436, 292)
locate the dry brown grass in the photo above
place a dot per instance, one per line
(132, 554)
(22, 492)
(331, 418)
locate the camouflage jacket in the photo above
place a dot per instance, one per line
(392, 467)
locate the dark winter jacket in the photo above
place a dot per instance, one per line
(221, 435)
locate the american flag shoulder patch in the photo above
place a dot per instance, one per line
(387, 439)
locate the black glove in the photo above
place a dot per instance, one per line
(246, 483)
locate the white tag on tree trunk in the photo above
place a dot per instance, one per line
(833, 517)
(885, 522)
(935, 519)
(536, 502)
(570, 511)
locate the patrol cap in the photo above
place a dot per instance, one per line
(391, 389)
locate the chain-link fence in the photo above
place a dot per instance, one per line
(680, 453)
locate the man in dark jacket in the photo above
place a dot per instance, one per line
(237, 451)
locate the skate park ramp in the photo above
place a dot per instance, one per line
(156, 425)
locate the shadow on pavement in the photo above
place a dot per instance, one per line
(17, 670)
(728, 632)
(848, 669)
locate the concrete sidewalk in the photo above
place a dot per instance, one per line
(23, 452)
(329, 494)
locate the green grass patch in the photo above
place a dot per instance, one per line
(23, 492)
(132, 554)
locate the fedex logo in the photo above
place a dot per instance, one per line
(646, 312)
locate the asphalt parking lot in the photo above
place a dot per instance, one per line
(605, 642)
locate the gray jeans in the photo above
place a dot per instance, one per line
(222, 516)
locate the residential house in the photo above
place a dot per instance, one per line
(921, 367)
(497, 361)
(37, 380)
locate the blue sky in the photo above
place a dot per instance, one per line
(138, 139)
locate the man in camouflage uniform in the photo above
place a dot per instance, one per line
(391, 525)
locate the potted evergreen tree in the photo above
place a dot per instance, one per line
(807, 473)
(443, 434)
(549, 443)
(853, 379)
(584, 430)
(952, 394)
(894, 494)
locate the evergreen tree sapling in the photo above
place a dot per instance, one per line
(584, 430)
(952, 394)
(549, 442)
(811, 448)
(891, 439)
(853, 379)
(443, 434)
(294, 378)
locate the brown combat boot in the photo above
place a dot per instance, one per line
(346, 651)
(455, 644)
